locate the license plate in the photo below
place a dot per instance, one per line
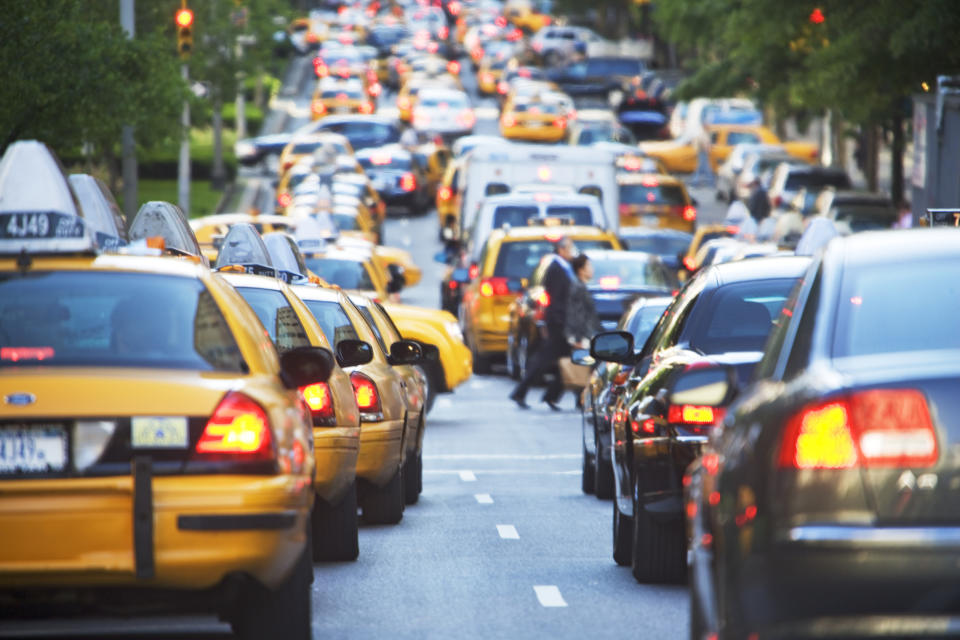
(33, 448)
(158, 432)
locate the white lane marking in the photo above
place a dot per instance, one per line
(467, 476)
(502, 456)
(508, 532)
(549, 596)
(483, 498)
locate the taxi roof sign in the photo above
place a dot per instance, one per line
(314, 233)
(286, 257)
(243, 246)
(166, 220)
(100, 210)
(39, 212)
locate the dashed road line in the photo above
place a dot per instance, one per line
(502, 456)
(483, 498)
(549, 596)
(468, 476)
(508, 532)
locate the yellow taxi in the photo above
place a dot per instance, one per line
(655, 200)
(524, 15)
(211, 229)
(155, 443)
(434, 157)
(410, 89)
(506, 262)
(379, 392)
(723, 137)
(533, 120)
(448, 200)
(362, 187)
(414, 386)
(350, 269)
(340, 96)
(490, 71)
(256, 272)
(701, 236)
(304, 146)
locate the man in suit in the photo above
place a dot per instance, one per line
(553, 345)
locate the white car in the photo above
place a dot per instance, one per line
(443, 111)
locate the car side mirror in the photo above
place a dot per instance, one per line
(706, 387)
(613, 346)
(304, 366)
(582, 357)
(352, 353)
(429, 352)
(404, 352)
(398, 279)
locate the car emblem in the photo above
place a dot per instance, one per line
(19, 399)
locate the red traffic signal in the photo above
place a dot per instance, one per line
(816, 16)
(183, 18)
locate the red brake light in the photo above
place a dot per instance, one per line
(875, 428)
(366, 107)
(632, 164)
(502, 87)
(693, 414)
(560, 123)
(403, 102)
(466, 118)
(15, 354)
(689, 213)
(486, 77)
(318, 107)
(509, 121)
(689, 263)
(375, 90)
(494, 287)
(650, 181)
(543, 299)
(444, 32)
(365, 391)
(322, 70)
(474, 271)
(319, 400)
(624, 209)
(445, 194)
(408, 182)
(453, 67)
(284, 199)
(238, 426)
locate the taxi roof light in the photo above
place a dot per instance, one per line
(243, 246)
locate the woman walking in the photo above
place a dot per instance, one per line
(582, 321)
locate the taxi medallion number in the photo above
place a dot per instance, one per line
(33, 448)
(158, 432)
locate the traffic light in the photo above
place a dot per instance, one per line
(184, 21)
(816, 16)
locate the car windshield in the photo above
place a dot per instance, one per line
(347, 274)
(615, 67)
(364, 133)
(872, 316)
(739, 316)
(661, 245)
(277, 316)
(103, 319)
(518, 259)
(385, 161)
(333, 320)
(654, 194)
(614, 272)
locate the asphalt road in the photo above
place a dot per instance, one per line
(502, 543)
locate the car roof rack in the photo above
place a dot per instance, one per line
(163, 225)
(243, 250)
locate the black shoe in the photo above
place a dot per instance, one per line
(553, 405)
(519, 400)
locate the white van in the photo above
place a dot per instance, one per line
(495, 169)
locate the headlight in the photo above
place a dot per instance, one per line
(453, 328)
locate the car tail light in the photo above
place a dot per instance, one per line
(693, 414)
(543, 299)
(368, 398)
(408, 182)
(474, 271)
(453, 67)
(403, 102)
(689, 213)
(502, 87)
(875, 428)
(318, 107)
(322, 70)
(509, 121)
(443, 32)
(466, 118)
(547, 21)
(494, 287)
(444, 194)
(454, 8)
(375, 90)
(366, 107)
(689, 263)
(320, 401)
(648, 426)
(433, 47)
(621, 377)
(284, 199)
(560, 123)
(538, 46)
(238, 427)
(632, 164)
(486, 78)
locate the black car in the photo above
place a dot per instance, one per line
(397, 176)
(363, 131)
(827, 497)
(669, 244)
(596, 76)
(600, 395)
(723, 316)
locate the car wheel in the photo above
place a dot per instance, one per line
(281, 613)
(412, 478)
(622, 540)
(384, 505)
(587, 478)
(659, 548)
(603, 474)
(335, 528)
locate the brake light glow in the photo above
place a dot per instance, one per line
(650, 182)
(560, 123)
(453, 67)
(609, 282)
(509, 120)
(486, 77)
(875, 428)
(408, 182)
(365, 391)
(238, 426)
(689, 213)
(502, 87)
(443, 32)
(322, 70)
(319, 400)
(693, 414)
(445, 193)
(318, 107)
(543, 299)
(466, 118)
(403, 102)
(375, 90)
(284, 199)
(494, 287)
(15, 354)
(689, 263)
(381, 159)
(474, 271)
(632, 164)
(366, 107)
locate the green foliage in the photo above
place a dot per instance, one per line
(203, 199)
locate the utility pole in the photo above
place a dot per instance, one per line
(128, 155)
(184, 21)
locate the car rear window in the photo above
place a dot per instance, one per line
(513, 215)
(103, 319)
(384, 161)
(660, 245)
(352, 94)
(518, 259)
(579, 215)
(616, 272)
(277, 316)
(347, 274)
(815, 180)
(625, 67)
(738, 316)
(659, 194)
(333, 320)
(363, 134)
(872, 316)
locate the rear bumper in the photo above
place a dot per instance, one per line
(336, 450)
(380, 451)
(81, 532)
(539, 134)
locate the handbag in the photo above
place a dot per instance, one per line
(575, 376)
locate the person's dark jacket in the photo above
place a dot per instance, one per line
(582, 321)
(759, 203)
(556, 282)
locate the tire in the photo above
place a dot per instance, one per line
(659, 548)
(413, 478)
(384, 505)
(587, 477)
(281, 613)
(335, 528)
(603, 474)
(622, 540)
